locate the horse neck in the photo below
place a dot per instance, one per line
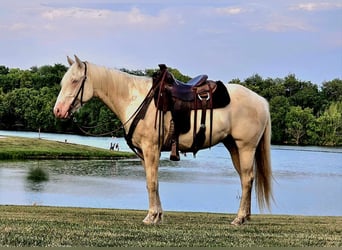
(120, 91)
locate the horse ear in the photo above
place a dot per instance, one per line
(78, 61)
(70, 61)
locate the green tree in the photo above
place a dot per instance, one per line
(292, 85)
(254, 83)
(329, 127)
(332, 90)
(3, 70)
(10, 81)
(15, 103)
(235, 81)
(298, 124)
(279, 106)
(108, 123)
(38, 113)
(273, 88)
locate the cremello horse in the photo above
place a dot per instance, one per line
(243, 126)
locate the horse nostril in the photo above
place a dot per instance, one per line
(56, 111)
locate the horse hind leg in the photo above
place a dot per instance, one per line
(243, 161)
(246, 159)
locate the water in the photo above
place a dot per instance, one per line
(307, 180)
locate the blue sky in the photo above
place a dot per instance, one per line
(224, 39)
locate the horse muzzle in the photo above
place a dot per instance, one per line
(63, 111)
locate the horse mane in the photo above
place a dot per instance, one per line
(112, 76)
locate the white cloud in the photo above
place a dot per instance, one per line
(77, 13)
(282, 24)
(229, 10)
(314, 6)
(36, 17)
(105, 20)
(17, 26)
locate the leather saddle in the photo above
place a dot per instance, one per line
(180, 98)
(185, 91)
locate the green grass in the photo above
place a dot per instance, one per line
(54, 226)
(18, 148)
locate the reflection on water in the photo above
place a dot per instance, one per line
(34, 186)
(307, 180)
(36, 178)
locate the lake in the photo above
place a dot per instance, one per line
(307, 180)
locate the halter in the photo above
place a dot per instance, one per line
(81, 89)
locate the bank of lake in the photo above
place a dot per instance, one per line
(20, 148)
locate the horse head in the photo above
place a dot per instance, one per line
(76, 89)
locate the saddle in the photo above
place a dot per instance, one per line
(181, 98)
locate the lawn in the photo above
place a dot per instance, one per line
(56, 226)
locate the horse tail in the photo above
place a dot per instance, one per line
(263, 173)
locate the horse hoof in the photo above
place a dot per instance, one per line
(238, 221)
(153, 219)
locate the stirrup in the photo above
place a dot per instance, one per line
(174, 156)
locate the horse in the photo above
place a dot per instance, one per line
(243, 126)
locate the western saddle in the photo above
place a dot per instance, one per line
(180, 98)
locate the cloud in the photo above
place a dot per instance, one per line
(77, 13)
(15, 26)
(314, 6)
(229, 10)
(107, 20)
(282, 24)
(38, 17)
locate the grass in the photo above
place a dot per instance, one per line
(55, 226)
(18, 148)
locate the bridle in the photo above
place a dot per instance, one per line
(80, 90)
(143, 106)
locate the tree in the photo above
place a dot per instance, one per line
(298, 123)
(307, 97)
(10, 81)
(3, 70)
(38, 114)
(329, 127)
(332, 90)
(279, 106)
(292, 85)
(254, 83)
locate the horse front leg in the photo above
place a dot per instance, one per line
(151, 162)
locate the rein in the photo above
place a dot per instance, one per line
(83, 129)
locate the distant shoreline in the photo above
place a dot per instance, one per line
(19, 148)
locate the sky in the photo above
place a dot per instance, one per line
(224, 39)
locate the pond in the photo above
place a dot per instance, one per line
(307, 180)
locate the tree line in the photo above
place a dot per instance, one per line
(302, 113)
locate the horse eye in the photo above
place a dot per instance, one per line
(74, 81)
